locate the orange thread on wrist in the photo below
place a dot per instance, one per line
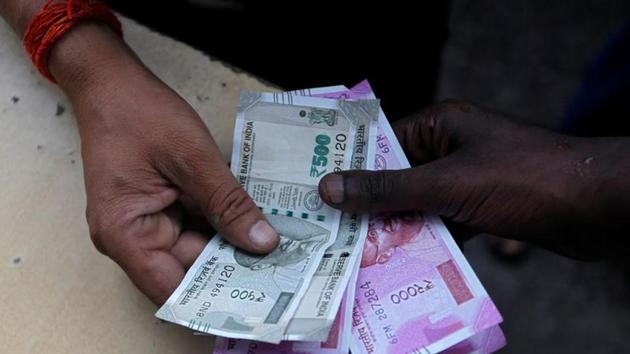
(54, 20)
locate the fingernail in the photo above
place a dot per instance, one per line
(262, 234)
(333, 186)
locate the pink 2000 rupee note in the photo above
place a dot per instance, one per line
(416, 293)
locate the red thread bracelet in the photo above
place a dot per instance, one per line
(54, 20)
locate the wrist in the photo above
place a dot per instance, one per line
(600, 196)
(611, 186)
(91, 55)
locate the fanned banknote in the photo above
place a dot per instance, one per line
(318, 309)
(283, 145)
(416, 293)
(442, 333)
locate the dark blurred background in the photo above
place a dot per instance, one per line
(297, 44)
(537, 61)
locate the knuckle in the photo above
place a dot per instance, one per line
(446, 125)
(450, 111)
(376, 186)
(106, 223)
(97, 229)
(228, 204)
(148, 274)
(451, 105)
(149, 268)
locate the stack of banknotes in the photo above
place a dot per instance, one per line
(337, 282)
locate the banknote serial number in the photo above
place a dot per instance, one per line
(378, 310)
(224, 275)
(411, 291)
(248, 295)
(321, 151)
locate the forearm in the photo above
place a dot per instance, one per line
(90, 56)
(18, 13)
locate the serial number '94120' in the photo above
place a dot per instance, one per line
(322, 154)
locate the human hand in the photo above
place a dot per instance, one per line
(480, 170)
(147, 154)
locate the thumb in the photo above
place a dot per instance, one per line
(206, 180)
(428, 188)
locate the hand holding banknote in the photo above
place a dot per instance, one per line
(487, 173)
(145, 150)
